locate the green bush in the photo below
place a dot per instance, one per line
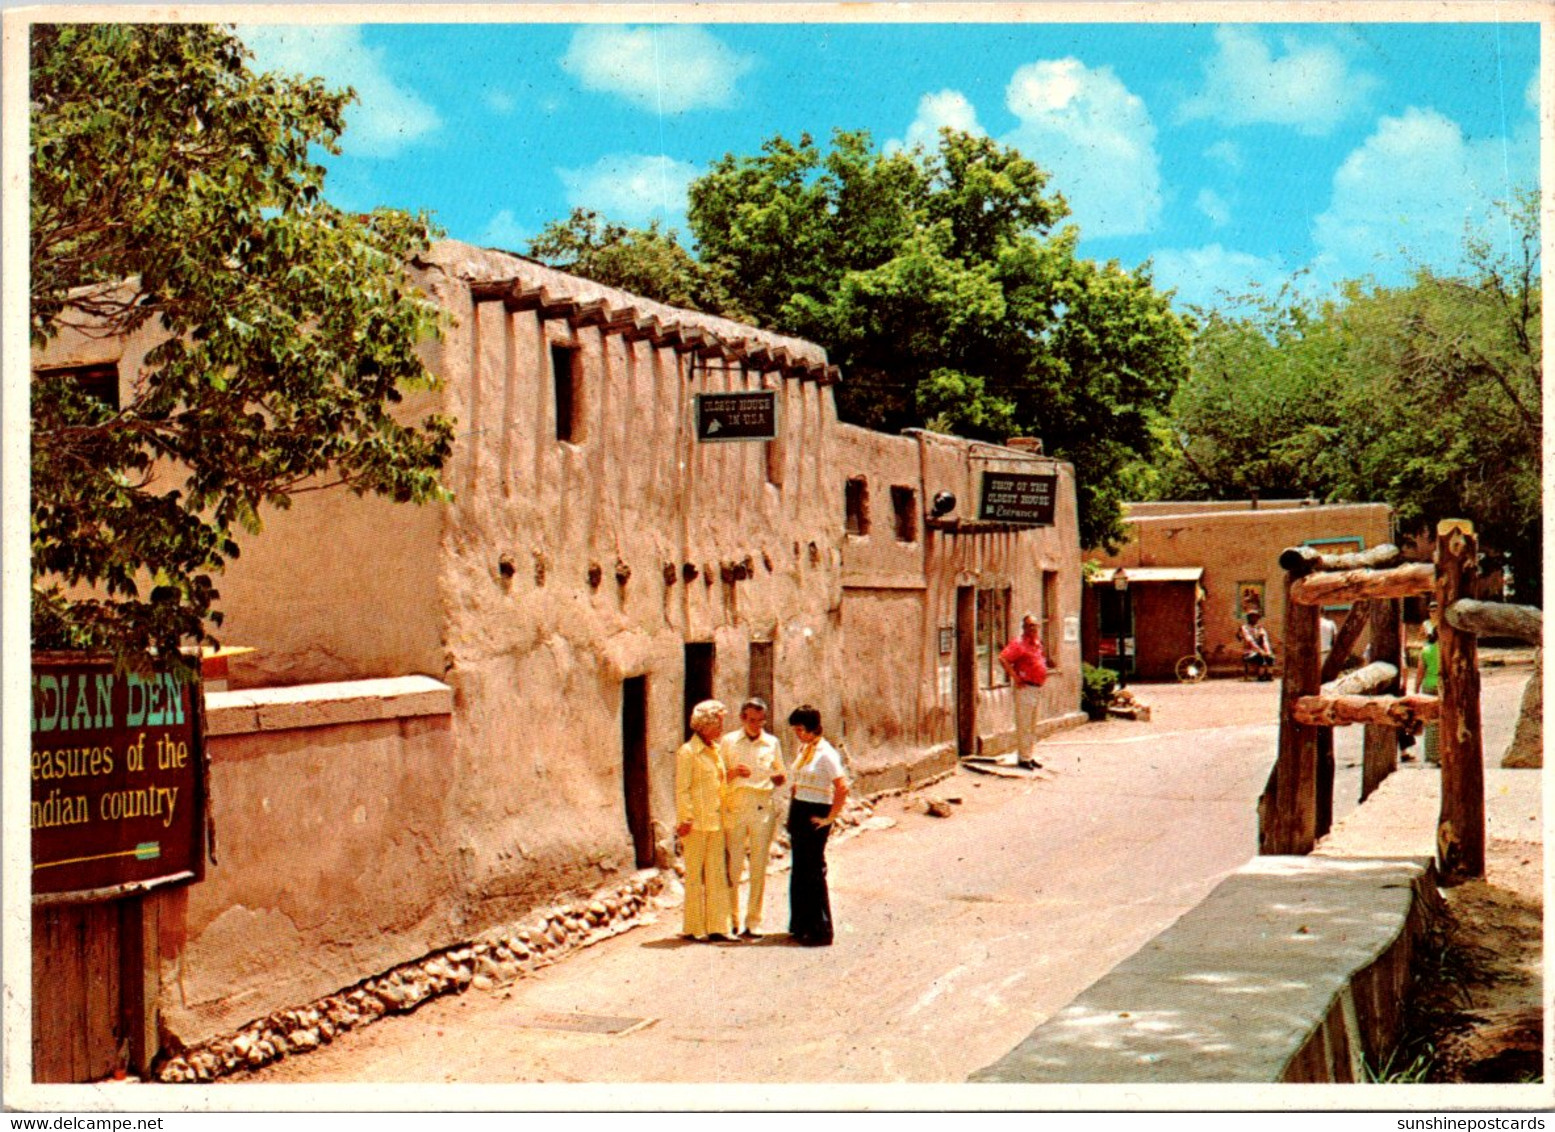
(1099, 684)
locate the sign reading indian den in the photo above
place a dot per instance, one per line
(118, 779)
(1019, 497)
(750, 415)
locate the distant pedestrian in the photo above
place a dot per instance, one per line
(1428, 679)
(699, 787)
(754, 760)
(1327, 630)
(1026, 664)
(1256, 649)
(819, 791)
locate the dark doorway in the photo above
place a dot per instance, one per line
(699, 678)
(761, 677)
(966, 671)
(634, 765)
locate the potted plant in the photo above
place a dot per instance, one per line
(1096, 693)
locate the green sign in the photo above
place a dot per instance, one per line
(118, 779)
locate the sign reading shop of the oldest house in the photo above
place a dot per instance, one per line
(1024, 498)
(744, 415)
(118, 779)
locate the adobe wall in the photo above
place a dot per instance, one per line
(900, 594)
(1237, 547)
(335, 854)
(537, 655)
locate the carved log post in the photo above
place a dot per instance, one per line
(1288, 818)
(1460, 831)
(1387, 645)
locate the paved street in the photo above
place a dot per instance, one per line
(956, 936)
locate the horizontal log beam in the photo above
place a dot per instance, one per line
(1408, 713)
(1363, 681)
(1497, 619)
(1303, 560)
(1363, 585)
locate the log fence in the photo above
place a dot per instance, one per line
(1297, 804)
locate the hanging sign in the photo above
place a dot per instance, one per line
(118, 779)
(750, 415)
(1019, 497)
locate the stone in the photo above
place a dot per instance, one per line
(598, 909)
(303, 1040)
(483, 983)
(937, 807)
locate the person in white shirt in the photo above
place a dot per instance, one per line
(819, 791)
(1327, 630)
(753, 758)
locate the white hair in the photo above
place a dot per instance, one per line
(707, 713)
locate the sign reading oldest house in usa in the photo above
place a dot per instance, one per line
(748, 415)
(118, 779)
(1018, 497)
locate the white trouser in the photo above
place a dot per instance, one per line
(748, 823)
(1028, 711)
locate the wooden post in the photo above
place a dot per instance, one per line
(1460, 831)
(1289, 815)
(1387, 645)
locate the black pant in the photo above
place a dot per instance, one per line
(809, 905)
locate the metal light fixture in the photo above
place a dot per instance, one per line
(1120, 580)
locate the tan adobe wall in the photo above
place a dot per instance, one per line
(538, 656)
(1240, 548)
(335, 853)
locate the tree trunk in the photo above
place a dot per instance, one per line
(1291, 814)
(1460, 831)
(1344, 640)
(1407, 712)
(1387, 638)
(1358, 585)
(1299, 561)
(1526, 749)
(1496, 619)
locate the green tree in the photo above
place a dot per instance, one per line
(645, 261)
(936, 279)
(171, 185)
(1424, 396)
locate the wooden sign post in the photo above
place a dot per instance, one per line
(1460, 831)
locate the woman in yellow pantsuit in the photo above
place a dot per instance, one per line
(699, 787)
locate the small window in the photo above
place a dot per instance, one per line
(904, 505)
(857, 501)
(1050, 616)
(564, 374)
(99, 381)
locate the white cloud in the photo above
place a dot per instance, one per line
(1531, 94)
(1095, 137)
(1309, 87)
(500, 102)
(632, 188)
(935, 111)
(1227, 152)
(385, 118)
(503, 231)
(665, 69)
(1207, 276)
(1407, 193)
(1212, 205)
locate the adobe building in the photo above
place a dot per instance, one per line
(1190, 572)
(455, 714)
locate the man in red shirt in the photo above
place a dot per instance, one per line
(1024, 660)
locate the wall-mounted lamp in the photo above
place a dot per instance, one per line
(1120, 580)
(944, 503)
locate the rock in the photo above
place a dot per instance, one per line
(303, 1039)
(598, 910)
(937, 807)
(483, 982)
(502, 954)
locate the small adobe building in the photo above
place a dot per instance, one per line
(1190, 571)
(456, 713)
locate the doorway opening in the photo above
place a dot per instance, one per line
(634, 766)
(966, 671)
(699, 678)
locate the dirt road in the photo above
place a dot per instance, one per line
(956, 936)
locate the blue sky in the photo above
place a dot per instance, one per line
(1228, 154)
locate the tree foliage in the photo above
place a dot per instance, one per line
(937, 280)
(645, 261)
(172, 189)
(1425, 396)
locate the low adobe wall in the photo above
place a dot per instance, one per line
(333, 853)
